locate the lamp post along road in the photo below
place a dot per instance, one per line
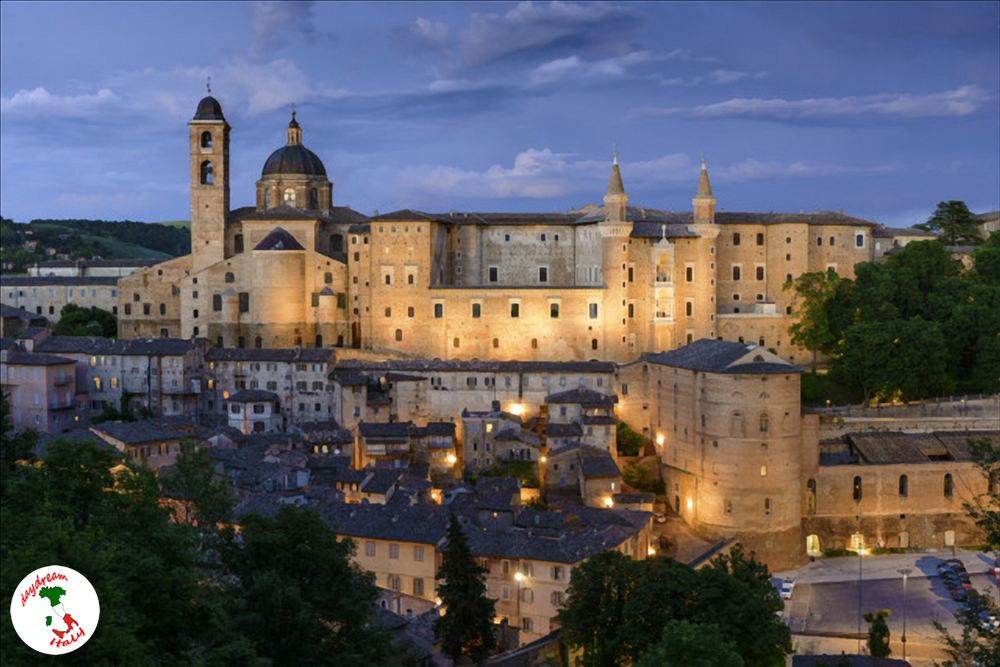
(904, 572)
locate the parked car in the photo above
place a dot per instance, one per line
(787, 586)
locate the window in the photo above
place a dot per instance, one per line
(418, 586)
(418, 553)
(438, 310)
(289, 197)
(527, 595)
(736, 273)
(409, 311)
(949, 486)
(457, 342)
(504, 592)
(477, 310)
(859, 240)
(543, 274)
(760, 273)
(238, 243)
(206, 139)
(410, 279)
(554, 310)
(534, 346)
(557, 573)
(831, 240)
(556, 598)
(763, 422)
(494, 274)
(857, 488)
(216, 302)
(388, 279)
(526, 621)
(313, 198)
(760, 238)
(767, 507)
(631, 274)
(763, 471)
(388, 311)
(593, 311)
(688, 308)
(393, 581)
(689, 274)
(393, 551)
(631, 310)
(207, 177)
(736, 238)
(244, 299)
(515, 310)
(399, 335)
(904, 486)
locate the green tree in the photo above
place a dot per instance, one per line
(878, 633)
(77, 321)
(953, 221)
(466, 627)
(629, 442)
(296, 595)
(813, 328)
(986, 260)
(206, 502)
(14, 445)
(978, 645)
(735, 593)
(897, 358)
(594, 617)
(684, 644)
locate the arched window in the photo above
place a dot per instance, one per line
(763, 422)
(949, 486)
(857, 488)
(207, 177)
(811, 496)
(327, 277)
(206, 139)
(399, 334)
(289, 197)
(230, 278)
(904, 486)
(258, 342)
(737, 427)
(267, 198)
(313, 198)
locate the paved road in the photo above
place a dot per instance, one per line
(825, 600)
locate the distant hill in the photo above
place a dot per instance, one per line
(24, 244)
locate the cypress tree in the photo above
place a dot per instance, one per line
(466, 627)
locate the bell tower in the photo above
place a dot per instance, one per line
(209, 149)
(615, 230)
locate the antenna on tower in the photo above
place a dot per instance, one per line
(293, 110)
(703, 159)
(614, 147)
(208, 85)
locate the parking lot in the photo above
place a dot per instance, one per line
(823, 609)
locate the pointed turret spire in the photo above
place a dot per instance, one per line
(704, 187)
(615, 185)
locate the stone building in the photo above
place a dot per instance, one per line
(602, 282)
(46, 295)
(42, 390)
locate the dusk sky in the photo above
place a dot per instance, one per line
(879, 109)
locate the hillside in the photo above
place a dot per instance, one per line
(22, 244)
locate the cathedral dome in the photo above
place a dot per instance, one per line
(294, 159)
(209, 109)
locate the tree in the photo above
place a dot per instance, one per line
(14, 445)
(629, 442)
(684, 644)
(878, 633)
(617, 607)
(986, 259)
(594, 617)
(77, 321)
(812, 328)
(978, 645)
(296, 595)
(466, 627)
(953, 221)
(205, 502)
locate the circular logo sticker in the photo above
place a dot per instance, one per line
(55, 610)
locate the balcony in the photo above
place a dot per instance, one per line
(663, 317)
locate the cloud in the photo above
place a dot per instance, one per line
(959, 102)
(553, 70)
(276, 23)
(573, 66)
(536, 174)
(752, 169)
(724, 76)
(538, 28)
(430, 35)
(40, 102)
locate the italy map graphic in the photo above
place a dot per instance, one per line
(54, 595)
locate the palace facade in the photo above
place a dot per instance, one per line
(602, 282)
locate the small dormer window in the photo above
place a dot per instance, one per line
(758, 358)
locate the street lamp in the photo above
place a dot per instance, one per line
(904, 572)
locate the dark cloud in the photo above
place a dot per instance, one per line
(278, 24)
(545, 31)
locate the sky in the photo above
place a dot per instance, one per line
(879, 109)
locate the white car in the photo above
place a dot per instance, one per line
(787, 586)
